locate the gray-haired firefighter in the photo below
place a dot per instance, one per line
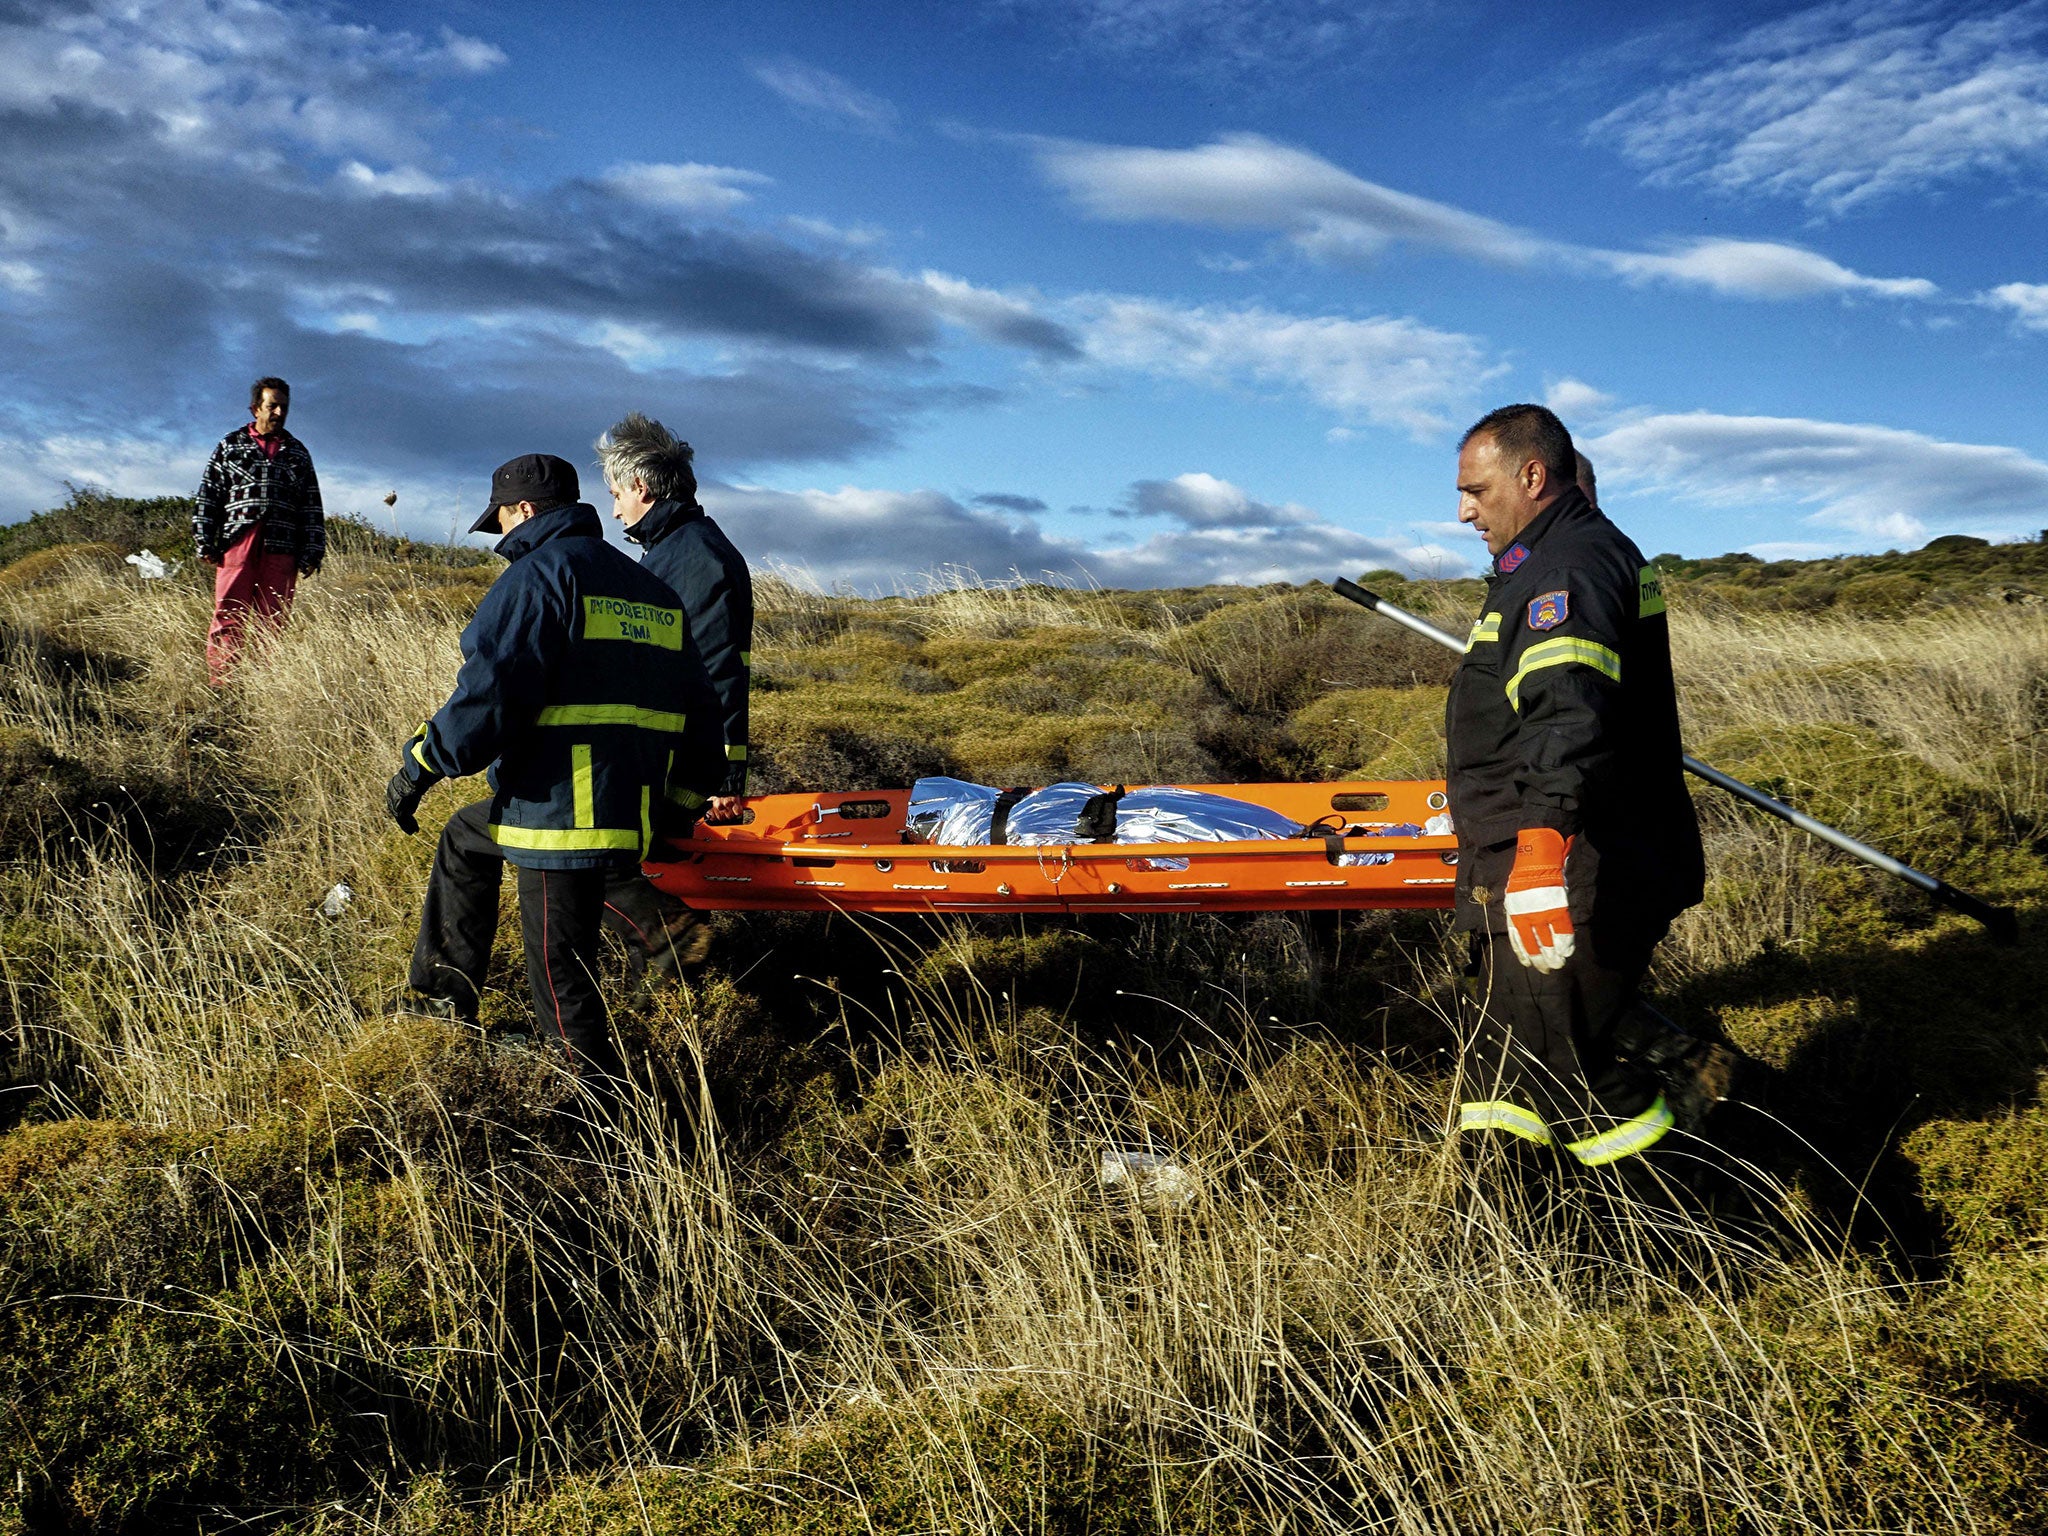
(649, 472)
(581, 694)
(1576, 838)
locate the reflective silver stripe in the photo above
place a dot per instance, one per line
(1626, 1139)
(1494, 1115)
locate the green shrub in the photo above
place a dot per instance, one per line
(56, 561)
(88, 516)
(1988, 1178)
(1006, 1462)
(1375, 733)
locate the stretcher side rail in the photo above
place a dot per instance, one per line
(800, 853)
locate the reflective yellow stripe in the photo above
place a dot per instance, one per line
(1562, 652)
(619, 618)
(1494, 1115)
(1626, 1139)
(646, 818)
(1650, 595)
(419, 756)
(1483, 630)
(610, 714)
(577, 840)
(746, 658)
(585, 784)
(688, 799)
(735, 754)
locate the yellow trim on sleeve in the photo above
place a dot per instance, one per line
(1483, 630)
(735, 752)
(1565, 651)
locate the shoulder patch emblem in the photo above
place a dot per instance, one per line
(1549, 610)
(1513, 556)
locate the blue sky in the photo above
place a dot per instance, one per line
(1145, 292)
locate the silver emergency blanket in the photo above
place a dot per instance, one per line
(955, 814)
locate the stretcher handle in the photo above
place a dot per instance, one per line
(2001, 922)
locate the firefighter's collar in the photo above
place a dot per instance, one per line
(1570, 503)
(577, 521)
(663, 519)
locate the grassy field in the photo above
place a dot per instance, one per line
(274, 1257)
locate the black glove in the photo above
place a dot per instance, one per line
(401, 798)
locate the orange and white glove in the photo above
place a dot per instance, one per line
(1539, 921)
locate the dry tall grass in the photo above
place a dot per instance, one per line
(1325, 1322)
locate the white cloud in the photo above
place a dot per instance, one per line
(400, 181)
(855, 235)
(1761, 269)
(2027, 301)
(1850, 101)
(683, 188)
(881, 539)
(1273, 41)
(223, 77)
(1575, 399)
(1394, 372)
(1244, 181)
(824, 97)
(20, 276)
(1877, 481)
(1012, 319)
(1202, 501)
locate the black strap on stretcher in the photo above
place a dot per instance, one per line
(999, 818)
(1333, 837)
(1097, 821)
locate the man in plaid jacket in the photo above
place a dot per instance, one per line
(257, 518)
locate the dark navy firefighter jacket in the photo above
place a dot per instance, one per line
(1563, 715)
(581, 693)
(691, 553)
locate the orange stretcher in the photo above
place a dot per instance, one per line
(848, 853)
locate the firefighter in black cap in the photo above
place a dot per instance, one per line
(1576, 836)
(582, 697)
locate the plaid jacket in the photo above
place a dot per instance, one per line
(244, 486)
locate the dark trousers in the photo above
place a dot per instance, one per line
(560, 912)
(662, 935)
(1545, 1043)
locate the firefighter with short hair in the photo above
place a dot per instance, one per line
(1577, 840)
(582, 697)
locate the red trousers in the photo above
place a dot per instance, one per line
(249, 582)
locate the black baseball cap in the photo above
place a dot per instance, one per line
(540, 478)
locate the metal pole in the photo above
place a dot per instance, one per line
(2002, 922)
